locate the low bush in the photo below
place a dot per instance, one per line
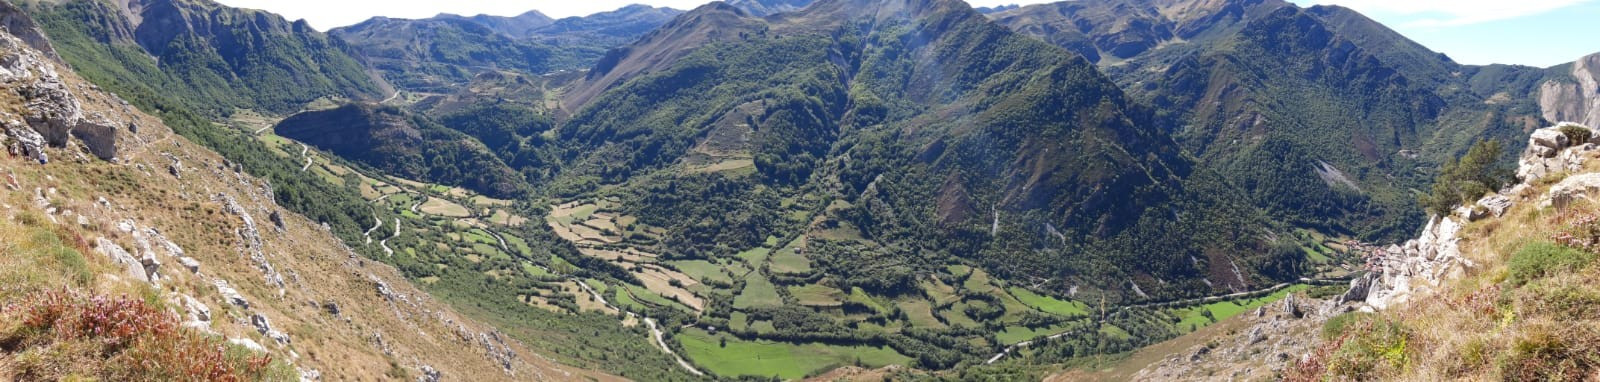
(1576, 134)
(62, 333)
(1540, 259)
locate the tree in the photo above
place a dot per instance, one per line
(1468, 178)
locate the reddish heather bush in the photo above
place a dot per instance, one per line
(1582, 231)
(135, 340)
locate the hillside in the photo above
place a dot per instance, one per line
(192, 262)
(1322, 90)
(1498, 289)
(212, 58)
(403, 145)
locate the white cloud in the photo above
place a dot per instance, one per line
(325, 14)
(1449, 13)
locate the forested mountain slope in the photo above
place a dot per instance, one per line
(1351, 114)
(213, 58)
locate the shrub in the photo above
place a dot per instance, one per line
(1340, 324)
(1371, 347)
(1540, 259)
(121, 339)
(1576, 134)
(1546, 353)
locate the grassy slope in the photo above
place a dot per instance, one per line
(779, 359)
(1497, 322)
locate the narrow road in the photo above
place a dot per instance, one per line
(385, 242)
(304, 152)
(660, 341)
(258, 131)
(391, 98)
(377, 223)
(654, 329)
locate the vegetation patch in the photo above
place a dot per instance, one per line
(729, 356)
(1539, 259)
(758, 292)
(1050, 304)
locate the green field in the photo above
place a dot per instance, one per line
(817, 295)
(788, 260)
(1015, 334)
(777, 359)
(860, 296)
(758, 292)
(755, 256)
(1195, 316)
(920, 312)
(702, 270)
(1050, 304)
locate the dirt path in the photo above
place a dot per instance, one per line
(305, 153)
(377, 223)
(655, 330)
(385, 242)
(660, 341)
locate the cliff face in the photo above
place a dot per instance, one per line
(125, 207)
(1577, 100)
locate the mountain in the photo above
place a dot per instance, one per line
(440, 53)
(764, 8)
(1328, 91)
(515, 26)
(408, 146)
(167, 263)
(212, 57)
(625, 23)
(1576, 96)
(815, 101)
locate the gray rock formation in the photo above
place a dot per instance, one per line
(1570, 190)
(231, 295)
(429, 374)
(1576, 99)
(131, 266)
(1549, 153)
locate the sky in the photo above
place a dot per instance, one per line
(1525, 32)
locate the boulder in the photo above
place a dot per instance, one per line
(1570, 190)
(1495, 204)
(248, 344)
(1359, 287)
(131, 266)
(230, 295)
(1548, 137)
(429, 374)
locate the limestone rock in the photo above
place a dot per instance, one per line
(1571, 189)
(130, 265)
(248, 344)
(1549, 138)
(429, 374)
(230, 295)
(1495, 204)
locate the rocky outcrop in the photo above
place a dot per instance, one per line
(131, 266)
(1419, 266)
(1551, 152)
(18, 24)
(1576, 99)
(1267, 342)
(1570, 190)
(52, 111)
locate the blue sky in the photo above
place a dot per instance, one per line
(1526, 32)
